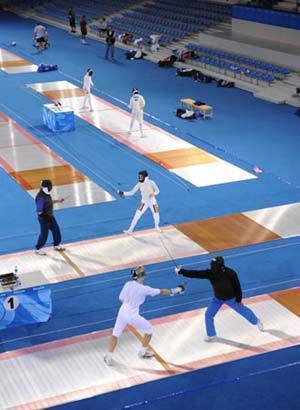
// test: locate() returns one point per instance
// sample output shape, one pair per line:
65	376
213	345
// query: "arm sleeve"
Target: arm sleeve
133	191
40	205
198	274
142	102
122	294
237	287
151	291
155	188
130	103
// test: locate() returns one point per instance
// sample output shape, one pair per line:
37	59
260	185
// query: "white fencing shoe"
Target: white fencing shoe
209	338
260	326
40	252
146	354
59	248
108	360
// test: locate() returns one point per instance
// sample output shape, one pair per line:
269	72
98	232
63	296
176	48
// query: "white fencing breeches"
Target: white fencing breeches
141	210
87	100
136	116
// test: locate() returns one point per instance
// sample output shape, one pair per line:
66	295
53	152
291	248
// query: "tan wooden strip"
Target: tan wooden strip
289	298
14	63
226	232
72	264
184	157
163	363
60	175
68	93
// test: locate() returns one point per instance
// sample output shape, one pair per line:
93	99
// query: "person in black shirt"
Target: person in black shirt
72	20
110	43
227	289
44	208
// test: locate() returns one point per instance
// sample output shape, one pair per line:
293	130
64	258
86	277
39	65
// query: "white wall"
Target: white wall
266	31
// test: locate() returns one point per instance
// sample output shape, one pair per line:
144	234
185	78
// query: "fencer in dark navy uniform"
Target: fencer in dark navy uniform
227	289
44	208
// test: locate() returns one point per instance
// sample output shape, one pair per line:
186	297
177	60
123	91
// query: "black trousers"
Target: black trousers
47	224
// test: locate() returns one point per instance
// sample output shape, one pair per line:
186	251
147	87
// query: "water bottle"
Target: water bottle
16	271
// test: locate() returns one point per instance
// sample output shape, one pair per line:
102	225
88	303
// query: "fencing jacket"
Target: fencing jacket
225	282
137	103
147	188
87	83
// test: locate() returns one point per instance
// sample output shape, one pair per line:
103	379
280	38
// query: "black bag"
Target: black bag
202	78
167	62
185	72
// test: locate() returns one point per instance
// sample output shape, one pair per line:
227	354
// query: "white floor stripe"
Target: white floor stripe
283	220
219	172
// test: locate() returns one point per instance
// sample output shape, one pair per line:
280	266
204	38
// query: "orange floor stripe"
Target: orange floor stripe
289	298
160	360
72	264
14	63
226	232
181	157
60	175
68	93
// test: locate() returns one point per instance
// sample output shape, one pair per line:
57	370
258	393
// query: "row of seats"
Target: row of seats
140	30
166	18
229	68
184	11
171	19
194	6
271	17
91	9
191	28
176	17
240	59
121	22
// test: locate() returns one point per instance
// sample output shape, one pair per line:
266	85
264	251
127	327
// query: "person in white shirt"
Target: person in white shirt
149	191
136	104
132	297
154	38
40	36
87	85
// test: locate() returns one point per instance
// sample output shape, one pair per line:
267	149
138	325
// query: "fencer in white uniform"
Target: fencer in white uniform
136	104
87	85
132	296
149	191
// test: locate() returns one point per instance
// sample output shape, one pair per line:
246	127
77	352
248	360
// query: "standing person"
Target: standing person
132	296
227	289
44	208
87	85
83	29
72	20
110	43
102	27
39	36
149	191
136	104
